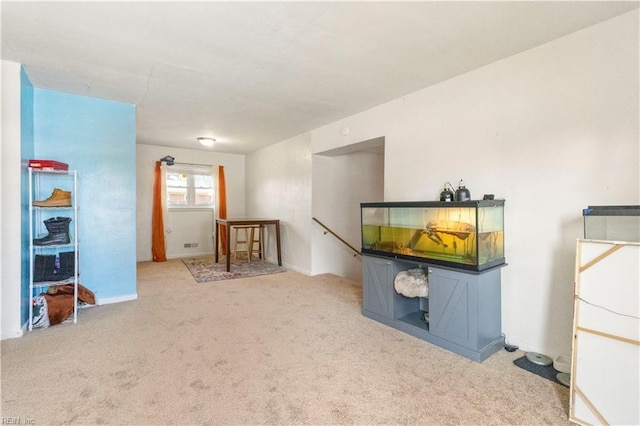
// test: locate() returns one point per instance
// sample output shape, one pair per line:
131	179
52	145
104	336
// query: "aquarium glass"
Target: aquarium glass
612	223
467	234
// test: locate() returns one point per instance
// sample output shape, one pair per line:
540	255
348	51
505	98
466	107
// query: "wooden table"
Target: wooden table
243	222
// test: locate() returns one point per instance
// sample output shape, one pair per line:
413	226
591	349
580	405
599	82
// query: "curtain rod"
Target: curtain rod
171	161
193	164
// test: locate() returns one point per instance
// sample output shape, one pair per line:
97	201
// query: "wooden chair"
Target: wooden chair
257	237
243	240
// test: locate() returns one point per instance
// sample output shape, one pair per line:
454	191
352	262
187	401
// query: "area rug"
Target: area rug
205	269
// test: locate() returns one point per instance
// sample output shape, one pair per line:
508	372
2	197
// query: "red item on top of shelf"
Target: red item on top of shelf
49	165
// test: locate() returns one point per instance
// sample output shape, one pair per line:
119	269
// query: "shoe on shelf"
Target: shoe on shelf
58	198
58	228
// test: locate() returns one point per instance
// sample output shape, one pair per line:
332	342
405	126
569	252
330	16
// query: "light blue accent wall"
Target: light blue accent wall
26	152
97	138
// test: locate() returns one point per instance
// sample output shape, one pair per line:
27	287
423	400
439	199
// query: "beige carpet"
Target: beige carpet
273	349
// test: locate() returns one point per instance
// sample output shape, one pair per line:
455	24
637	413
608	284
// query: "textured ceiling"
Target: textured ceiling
251	74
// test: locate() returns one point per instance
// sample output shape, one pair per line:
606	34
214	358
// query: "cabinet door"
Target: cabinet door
452	305
378	280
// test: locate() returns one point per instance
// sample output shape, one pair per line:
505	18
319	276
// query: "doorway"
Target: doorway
342	179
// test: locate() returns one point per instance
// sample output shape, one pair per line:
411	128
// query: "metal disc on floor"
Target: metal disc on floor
539	359
564	378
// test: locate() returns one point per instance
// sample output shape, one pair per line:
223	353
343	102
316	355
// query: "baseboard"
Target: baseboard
295	268
186	255
117	299
13	334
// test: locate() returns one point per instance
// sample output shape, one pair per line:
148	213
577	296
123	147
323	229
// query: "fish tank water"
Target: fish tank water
612	223
466	234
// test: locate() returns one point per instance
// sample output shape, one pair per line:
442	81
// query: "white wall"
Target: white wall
551	130
10	203
340	184
278	185
184	227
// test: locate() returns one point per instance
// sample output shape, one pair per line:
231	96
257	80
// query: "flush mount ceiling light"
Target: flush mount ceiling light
206	141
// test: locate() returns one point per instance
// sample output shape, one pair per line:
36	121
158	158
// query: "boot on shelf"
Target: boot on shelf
44	267
58	198
67	265
58	228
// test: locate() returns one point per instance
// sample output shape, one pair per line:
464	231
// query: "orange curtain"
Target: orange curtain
222	208
158	253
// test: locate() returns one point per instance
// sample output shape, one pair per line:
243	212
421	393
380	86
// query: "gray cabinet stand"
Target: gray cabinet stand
462	312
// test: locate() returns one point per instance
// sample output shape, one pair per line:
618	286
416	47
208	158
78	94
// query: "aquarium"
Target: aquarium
612	223
466	234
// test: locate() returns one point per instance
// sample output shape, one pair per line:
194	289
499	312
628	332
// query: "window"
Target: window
189	187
